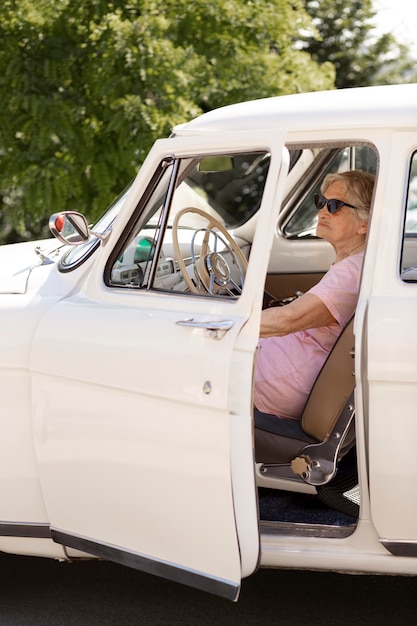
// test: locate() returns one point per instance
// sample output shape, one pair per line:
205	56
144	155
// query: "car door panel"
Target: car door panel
133	427
101	428
389	360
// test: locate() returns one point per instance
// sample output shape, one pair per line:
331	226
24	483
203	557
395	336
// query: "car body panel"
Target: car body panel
391	348
140	441
370	108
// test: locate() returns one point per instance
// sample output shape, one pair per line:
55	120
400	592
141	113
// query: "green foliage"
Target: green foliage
88	86
346	39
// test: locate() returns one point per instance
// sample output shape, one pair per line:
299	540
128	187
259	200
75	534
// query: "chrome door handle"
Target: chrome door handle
213	329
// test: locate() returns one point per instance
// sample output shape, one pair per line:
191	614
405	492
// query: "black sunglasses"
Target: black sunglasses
333	205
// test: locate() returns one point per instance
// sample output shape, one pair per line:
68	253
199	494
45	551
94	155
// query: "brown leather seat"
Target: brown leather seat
311	447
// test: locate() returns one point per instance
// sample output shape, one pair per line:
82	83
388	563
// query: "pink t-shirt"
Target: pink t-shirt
288	366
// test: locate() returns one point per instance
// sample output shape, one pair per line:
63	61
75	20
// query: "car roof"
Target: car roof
371	107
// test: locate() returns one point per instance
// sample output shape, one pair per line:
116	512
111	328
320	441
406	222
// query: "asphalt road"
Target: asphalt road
38	592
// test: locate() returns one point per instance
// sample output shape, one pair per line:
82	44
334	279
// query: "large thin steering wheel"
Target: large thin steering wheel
211	270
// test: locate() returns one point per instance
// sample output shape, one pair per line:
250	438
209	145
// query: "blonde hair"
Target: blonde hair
359	188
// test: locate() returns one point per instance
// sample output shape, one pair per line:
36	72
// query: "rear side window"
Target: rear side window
408	268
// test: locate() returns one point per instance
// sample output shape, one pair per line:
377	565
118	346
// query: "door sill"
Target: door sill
297	529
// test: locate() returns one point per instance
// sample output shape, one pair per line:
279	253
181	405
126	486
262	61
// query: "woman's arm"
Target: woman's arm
305	312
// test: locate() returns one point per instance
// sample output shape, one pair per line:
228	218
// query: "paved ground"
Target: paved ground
38	592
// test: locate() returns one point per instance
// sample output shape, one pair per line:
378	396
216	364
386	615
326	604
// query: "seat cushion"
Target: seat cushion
278	439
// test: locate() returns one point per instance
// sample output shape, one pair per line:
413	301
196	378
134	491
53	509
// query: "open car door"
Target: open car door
142	386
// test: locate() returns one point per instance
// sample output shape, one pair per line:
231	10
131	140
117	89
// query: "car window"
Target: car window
180	239
408	266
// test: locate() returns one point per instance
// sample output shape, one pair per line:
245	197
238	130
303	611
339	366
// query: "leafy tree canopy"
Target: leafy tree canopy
347	38
88	86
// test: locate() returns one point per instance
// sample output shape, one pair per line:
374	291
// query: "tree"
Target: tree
88	86
347	39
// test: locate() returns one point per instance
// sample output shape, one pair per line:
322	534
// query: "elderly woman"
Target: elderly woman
296	338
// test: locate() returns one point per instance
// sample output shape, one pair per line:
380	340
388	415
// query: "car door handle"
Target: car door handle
213	329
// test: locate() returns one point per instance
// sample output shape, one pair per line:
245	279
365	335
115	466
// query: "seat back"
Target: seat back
332	389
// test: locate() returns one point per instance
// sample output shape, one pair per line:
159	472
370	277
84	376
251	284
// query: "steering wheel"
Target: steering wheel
211	270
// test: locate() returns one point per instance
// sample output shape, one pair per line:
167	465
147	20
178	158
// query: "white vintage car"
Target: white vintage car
129	347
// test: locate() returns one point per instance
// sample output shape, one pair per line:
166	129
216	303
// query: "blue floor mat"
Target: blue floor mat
286	506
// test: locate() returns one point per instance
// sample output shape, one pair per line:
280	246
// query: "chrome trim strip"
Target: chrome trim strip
400	547
218	586
22	529
299	529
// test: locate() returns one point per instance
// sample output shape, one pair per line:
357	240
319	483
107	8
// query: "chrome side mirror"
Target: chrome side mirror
71	227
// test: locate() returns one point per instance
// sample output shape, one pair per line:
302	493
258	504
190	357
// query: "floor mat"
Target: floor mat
286	506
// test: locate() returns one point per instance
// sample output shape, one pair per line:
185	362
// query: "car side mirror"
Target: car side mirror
72	228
